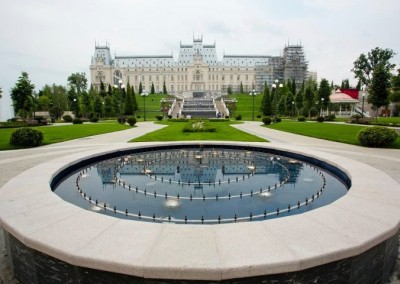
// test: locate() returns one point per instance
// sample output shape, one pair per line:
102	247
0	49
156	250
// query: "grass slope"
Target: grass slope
174	133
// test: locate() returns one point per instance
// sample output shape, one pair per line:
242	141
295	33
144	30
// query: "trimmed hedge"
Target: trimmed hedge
266	120
27	137
77	121
159	117
320	119
67	118
301	118
131	120
377	136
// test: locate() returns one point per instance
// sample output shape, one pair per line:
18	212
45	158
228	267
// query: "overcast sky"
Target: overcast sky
52	39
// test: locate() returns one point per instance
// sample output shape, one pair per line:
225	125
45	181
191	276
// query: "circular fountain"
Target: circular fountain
207	185
48	236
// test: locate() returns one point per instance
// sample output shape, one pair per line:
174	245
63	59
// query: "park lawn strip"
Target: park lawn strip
333	132
56	134
174	132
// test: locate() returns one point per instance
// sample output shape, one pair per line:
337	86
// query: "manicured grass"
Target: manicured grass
389	119
174	132
333	132
244	106
153	106
55	134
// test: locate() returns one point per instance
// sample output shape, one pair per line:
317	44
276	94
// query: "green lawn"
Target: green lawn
55	134
173	132
153	106
333	132
245	106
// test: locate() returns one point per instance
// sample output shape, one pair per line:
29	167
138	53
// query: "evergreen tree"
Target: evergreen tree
358	87
241	87
152	91
324	91
309	94
141	88
165	89
109	91
129	110
266	106
135	105
21	94
98	106
103	92
293	87
229	90
108	106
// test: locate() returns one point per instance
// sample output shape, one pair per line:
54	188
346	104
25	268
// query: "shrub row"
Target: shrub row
377	136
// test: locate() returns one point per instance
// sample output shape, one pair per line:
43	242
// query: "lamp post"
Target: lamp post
293	108
274	89
144	94
253	93
75	107
322	105
120	86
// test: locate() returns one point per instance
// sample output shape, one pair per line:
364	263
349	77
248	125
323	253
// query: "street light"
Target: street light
293	108
75	107
322	105
254	94
274	89
120	86
144	94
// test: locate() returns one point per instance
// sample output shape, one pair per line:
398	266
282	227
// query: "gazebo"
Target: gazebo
343	104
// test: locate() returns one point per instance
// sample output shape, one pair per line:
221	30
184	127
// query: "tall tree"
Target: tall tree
324	91
1	93
21	94
135	105
141	88
379	87
103	92
164	89
309	94
98	106
266	106
152	91
129	101
241	87
366	65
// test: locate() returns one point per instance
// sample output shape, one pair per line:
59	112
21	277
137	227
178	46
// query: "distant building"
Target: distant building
312	75
198	69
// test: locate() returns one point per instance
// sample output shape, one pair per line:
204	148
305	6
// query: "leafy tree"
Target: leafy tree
358	87
152	91
87	102
309	94
79	81
21	94
366	65
72	95
43	103
266	106
379	87
324	91
345	84
56	112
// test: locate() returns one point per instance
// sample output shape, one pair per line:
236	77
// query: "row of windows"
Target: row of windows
183	78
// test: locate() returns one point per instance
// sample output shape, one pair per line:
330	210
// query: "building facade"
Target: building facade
197	69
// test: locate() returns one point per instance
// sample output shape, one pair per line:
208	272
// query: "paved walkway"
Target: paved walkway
16	161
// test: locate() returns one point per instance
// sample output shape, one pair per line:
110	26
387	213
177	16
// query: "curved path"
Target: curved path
16	161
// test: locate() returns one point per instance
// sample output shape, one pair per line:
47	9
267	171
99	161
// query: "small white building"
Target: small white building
343	105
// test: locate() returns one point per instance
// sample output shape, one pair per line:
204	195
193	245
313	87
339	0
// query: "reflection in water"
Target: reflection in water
201	186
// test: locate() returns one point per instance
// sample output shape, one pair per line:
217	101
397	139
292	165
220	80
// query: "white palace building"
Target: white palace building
198	69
